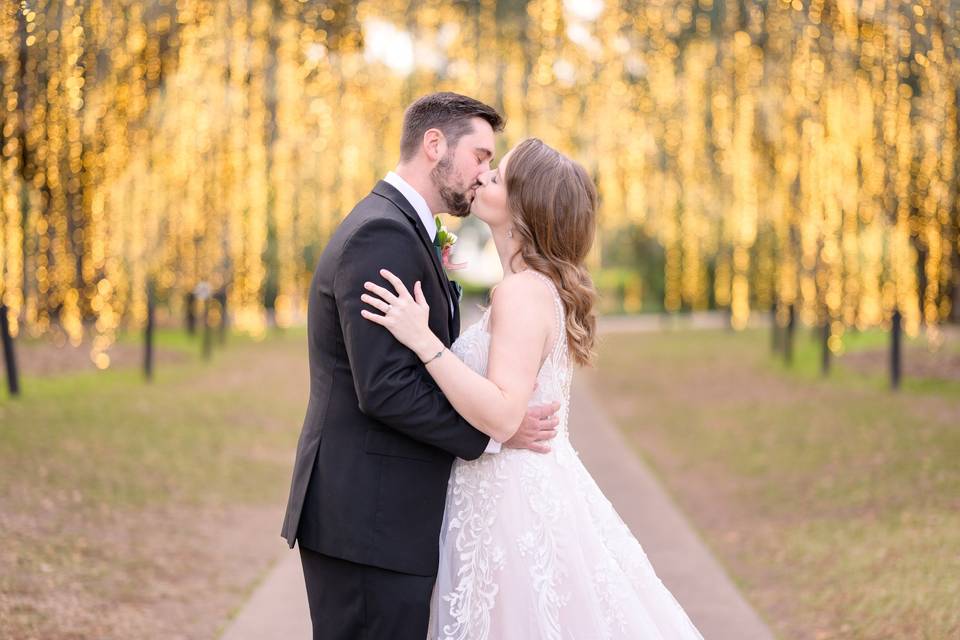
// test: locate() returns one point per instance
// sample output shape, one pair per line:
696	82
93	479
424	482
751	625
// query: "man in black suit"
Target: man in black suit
379	438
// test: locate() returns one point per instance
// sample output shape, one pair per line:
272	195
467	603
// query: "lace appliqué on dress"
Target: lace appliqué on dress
472	496
530	547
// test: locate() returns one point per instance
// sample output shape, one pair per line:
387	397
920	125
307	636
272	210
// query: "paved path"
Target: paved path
278	608
646	322
677	554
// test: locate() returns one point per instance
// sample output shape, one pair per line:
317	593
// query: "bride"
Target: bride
530	548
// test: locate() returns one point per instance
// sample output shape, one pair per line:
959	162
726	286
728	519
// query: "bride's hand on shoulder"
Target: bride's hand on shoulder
405	316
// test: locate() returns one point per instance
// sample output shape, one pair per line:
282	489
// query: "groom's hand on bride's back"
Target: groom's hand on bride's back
539	426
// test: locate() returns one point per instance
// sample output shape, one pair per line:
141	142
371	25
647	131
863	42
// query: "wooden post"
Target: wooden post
222	300
775	342
191	314
207	333
895	349
825	353
788	337
10	360
148	335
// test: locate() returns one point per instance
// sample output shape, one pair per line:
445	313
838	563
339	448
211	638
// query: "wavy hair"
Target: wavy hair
553	202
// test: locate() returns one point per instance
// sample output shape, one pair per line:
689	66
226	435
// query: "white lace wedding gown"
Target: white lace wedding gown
530	547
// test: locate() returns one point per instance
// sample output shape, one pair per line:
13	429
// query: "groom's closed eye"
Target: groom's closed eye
483	155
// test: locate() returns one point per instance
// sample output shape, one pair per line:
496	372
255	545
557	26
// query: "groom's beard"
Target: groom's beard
456	202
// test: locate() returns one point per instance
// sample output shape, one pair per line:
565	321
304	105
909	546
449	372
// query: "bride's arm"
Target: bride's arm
519	331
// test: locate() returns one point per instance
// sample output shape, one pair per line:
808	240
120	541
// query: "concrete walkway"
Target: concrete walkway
278	608
677	554
651	322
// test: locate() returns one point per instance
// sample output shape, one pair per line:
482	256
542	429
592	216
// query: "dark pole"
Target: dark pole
207	334
13	381
788	338
774	327
148	336
825	355
191	316
895	352
222	300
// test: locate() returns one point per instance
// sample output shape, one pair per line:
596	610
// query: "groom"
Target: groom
379	438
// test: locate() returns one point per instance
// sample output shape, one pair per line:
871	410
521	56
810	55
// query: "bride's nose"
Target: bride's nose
485	177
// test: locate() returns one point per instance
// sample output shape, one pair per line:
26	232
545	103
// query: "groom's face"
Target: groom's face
456	175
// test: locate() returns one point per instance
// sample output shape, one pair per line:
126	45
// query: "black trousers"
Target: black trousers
350	601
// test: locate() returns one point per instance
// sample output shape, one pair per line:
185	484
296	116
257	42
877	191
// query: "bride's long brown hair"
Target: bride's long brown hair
554	202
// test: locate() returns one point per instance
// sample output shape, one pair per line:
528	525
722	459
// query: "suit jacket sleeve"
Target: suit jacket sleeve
392	385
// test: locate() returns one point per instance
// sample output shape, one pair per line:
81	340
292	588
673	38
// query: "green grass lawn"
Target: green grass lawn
808	354
835	504
147	510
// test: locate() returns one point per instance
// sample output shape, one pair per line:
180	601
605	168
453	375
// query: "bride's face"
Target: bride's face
490	202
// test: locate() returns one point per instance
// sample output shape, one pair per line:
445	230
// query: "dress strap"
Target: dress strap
560	339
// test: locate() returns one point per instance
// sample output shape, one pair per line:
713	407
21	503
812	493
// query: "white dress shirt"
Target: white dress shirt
426	217
419	205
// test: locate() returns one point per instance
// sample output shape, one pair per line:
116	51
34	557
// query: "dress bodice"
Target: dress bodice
556	371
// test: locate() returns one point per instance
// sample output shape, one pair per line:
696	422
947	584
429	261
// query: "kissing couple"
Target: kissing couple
435	491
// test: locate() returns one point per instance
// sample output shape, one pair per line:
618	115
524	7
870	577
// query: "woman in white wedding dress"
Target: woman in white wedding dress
530	548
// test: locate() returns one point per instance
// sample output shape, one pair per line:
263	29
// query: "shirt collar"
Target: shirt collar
415	199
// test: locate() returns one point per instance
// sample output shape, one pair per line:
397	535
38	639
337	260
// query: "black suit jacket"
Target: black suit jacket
379	438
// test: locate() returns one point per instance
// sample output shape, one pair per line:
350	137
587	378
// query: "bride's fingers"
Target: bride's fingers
376	303
372	317
380	291
396	282
418	294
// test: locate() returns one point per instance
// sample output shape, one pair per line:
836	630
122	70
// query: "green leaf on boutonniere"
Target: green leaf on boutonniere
445	239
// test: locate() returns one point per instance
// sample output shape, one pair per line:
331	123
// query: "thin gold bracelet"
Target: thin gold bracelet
439	353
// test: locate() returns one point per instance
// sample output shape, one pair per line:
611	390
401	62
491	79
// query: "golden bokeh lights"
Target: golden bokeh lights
801	151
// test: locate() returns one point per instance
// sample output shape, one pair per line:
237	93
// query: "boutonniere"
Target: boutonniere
444	242
445	239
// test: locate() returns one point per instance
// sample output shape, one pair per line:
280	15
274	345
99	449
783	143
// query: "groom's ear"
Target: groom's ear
434	144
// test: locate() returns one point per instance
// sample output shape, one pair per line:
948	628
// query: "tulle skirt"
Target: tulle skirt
531	549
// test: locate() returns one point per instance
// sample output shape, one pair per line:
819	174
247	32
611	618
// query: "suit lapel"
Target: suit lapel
389	192
455	325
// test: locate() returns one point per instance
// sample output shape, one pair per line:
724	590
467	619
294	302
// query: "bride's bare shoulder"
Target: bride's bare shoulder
522	295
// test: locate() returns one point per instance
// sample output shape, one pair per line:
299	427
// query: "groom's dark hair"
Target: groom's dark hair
449	112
